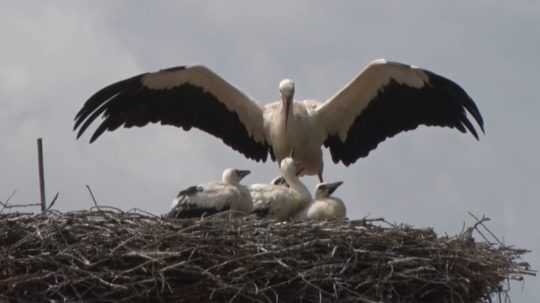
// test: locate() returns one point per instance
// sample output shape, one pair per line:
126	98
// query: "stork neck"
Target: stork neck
286	112
297	185
319	195
287	106
228	179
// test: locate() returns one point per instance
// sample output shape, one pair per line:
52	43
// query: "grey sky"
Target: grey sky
54	56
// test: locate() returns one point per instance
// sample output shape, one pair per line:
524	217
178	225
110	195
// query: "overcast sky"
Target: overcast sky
54	56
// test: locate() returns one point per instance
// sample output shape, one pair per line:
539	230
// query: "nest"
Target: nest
107	255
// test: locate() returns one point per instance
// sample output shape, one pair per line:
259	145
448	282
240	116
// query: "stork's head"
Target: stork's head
324	190
286	89
290	168
234	176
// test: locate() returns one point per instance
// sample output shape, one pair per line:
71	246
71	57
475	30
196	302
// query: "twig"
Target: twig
10	206
41	175
92	196
138	210
481	222
6	203
10	196
53	201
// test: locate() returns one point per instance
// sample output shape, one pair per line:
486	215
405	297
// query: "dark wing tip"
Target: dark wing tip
463	99
97	103
107	124
470	128
474	111
93	138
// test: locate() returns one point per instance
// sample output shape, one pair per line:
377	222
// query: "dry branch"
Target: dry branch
106	255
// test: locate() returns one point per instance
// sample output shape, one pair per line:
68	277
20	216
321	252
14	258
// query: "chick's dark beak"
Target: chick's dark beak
333	186
243	173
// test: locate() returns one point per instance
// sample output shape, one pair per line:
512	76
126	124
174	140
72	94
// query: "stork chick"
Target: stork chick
214	197
325	206
279	201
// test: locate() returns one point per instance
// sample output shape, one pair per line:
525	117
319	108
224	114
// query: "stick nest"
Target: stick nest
107	255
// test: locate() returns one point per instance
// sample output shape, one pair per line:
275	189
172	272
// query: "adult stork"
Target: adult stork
325	206
214	197
384	99
282	201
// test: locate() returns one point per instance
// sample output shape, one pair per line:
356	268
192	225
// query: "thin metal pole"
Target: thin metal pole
41	175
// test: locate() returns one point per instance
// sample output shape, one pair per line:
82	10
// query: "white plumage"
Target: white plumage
325	206
214	197
259	190
281	202
385	99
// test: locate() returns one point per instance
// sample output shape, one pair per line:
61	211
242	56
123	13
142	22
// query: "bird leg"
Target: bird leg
320	177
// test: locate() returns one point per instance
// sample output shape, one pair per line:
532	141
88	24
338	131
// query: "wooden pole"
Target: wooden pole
41	175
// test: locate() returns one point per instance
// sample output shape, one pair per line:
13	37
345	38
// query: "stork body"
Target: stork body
214	197
295	130
385	99
259	190
325	206
282	202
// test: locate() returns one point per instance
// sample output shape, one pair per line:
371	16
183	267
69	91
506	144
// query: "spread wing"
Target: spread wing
387	98
184	97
